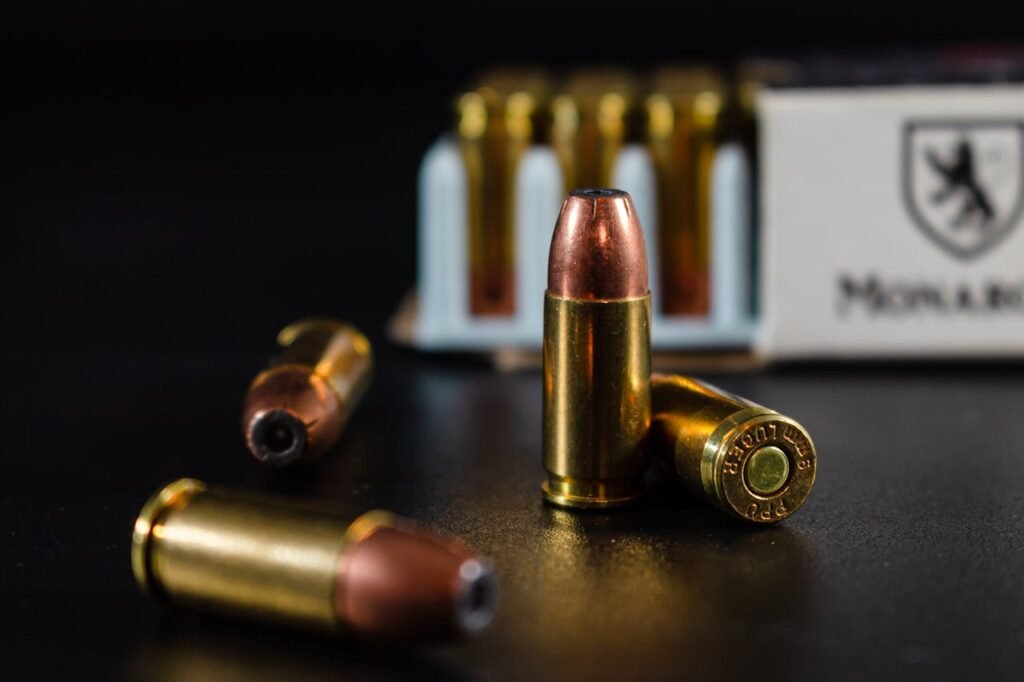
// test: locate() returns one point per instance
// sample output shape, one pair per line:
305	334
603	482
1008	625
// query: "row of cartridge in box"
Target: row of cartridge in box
681	141
682	116
696	148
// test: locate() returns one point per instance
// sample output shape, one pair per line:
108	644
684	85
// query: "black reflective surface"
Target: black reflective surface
906	561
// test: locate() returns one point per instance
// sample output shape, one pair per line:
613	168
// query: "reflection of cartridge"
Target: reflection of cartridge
597	353
497	122
590	122
683	116
297	408
749	461
371	574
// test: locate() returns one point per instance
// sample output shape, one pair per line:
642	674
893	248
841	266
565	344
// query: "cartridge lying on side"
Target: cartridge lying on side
297	408
597	353
749	461
371	574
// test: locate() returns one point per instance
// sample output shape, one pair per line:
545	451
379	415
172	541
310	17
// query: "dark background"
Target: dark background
184	179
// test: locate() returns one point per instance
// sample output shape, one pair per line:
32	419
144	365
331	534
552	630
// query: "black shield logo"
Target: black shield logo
963	181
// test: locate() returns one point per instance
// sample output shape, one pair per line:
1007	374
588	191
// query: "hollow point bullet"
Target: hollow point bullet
597	353
297	408
749	461
370	574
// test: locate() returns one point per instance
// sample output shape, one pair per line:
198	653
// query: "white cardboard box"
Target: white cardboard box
891	222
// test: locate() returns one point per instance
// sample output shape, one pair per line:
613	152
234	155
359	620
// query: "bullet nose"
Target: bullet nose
277	437
597	250
399	581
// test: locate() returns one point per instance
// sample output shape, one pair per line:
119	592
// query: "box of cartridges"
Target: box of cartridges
892	221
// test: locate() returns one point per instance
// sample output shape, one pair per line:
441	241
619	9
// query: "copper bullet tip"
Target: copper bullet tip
402	581
291	413
597	250
277	437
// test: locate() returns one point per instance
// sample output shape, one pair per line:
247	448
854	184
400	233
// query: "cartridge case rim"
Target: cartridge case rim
568	493
171	495
734	442
288	334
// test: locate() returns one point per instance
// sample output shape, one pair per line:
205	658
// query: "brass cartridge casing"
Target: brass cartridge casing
749	461
497	122
597	354
683	128
371	574
297	408
591	121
